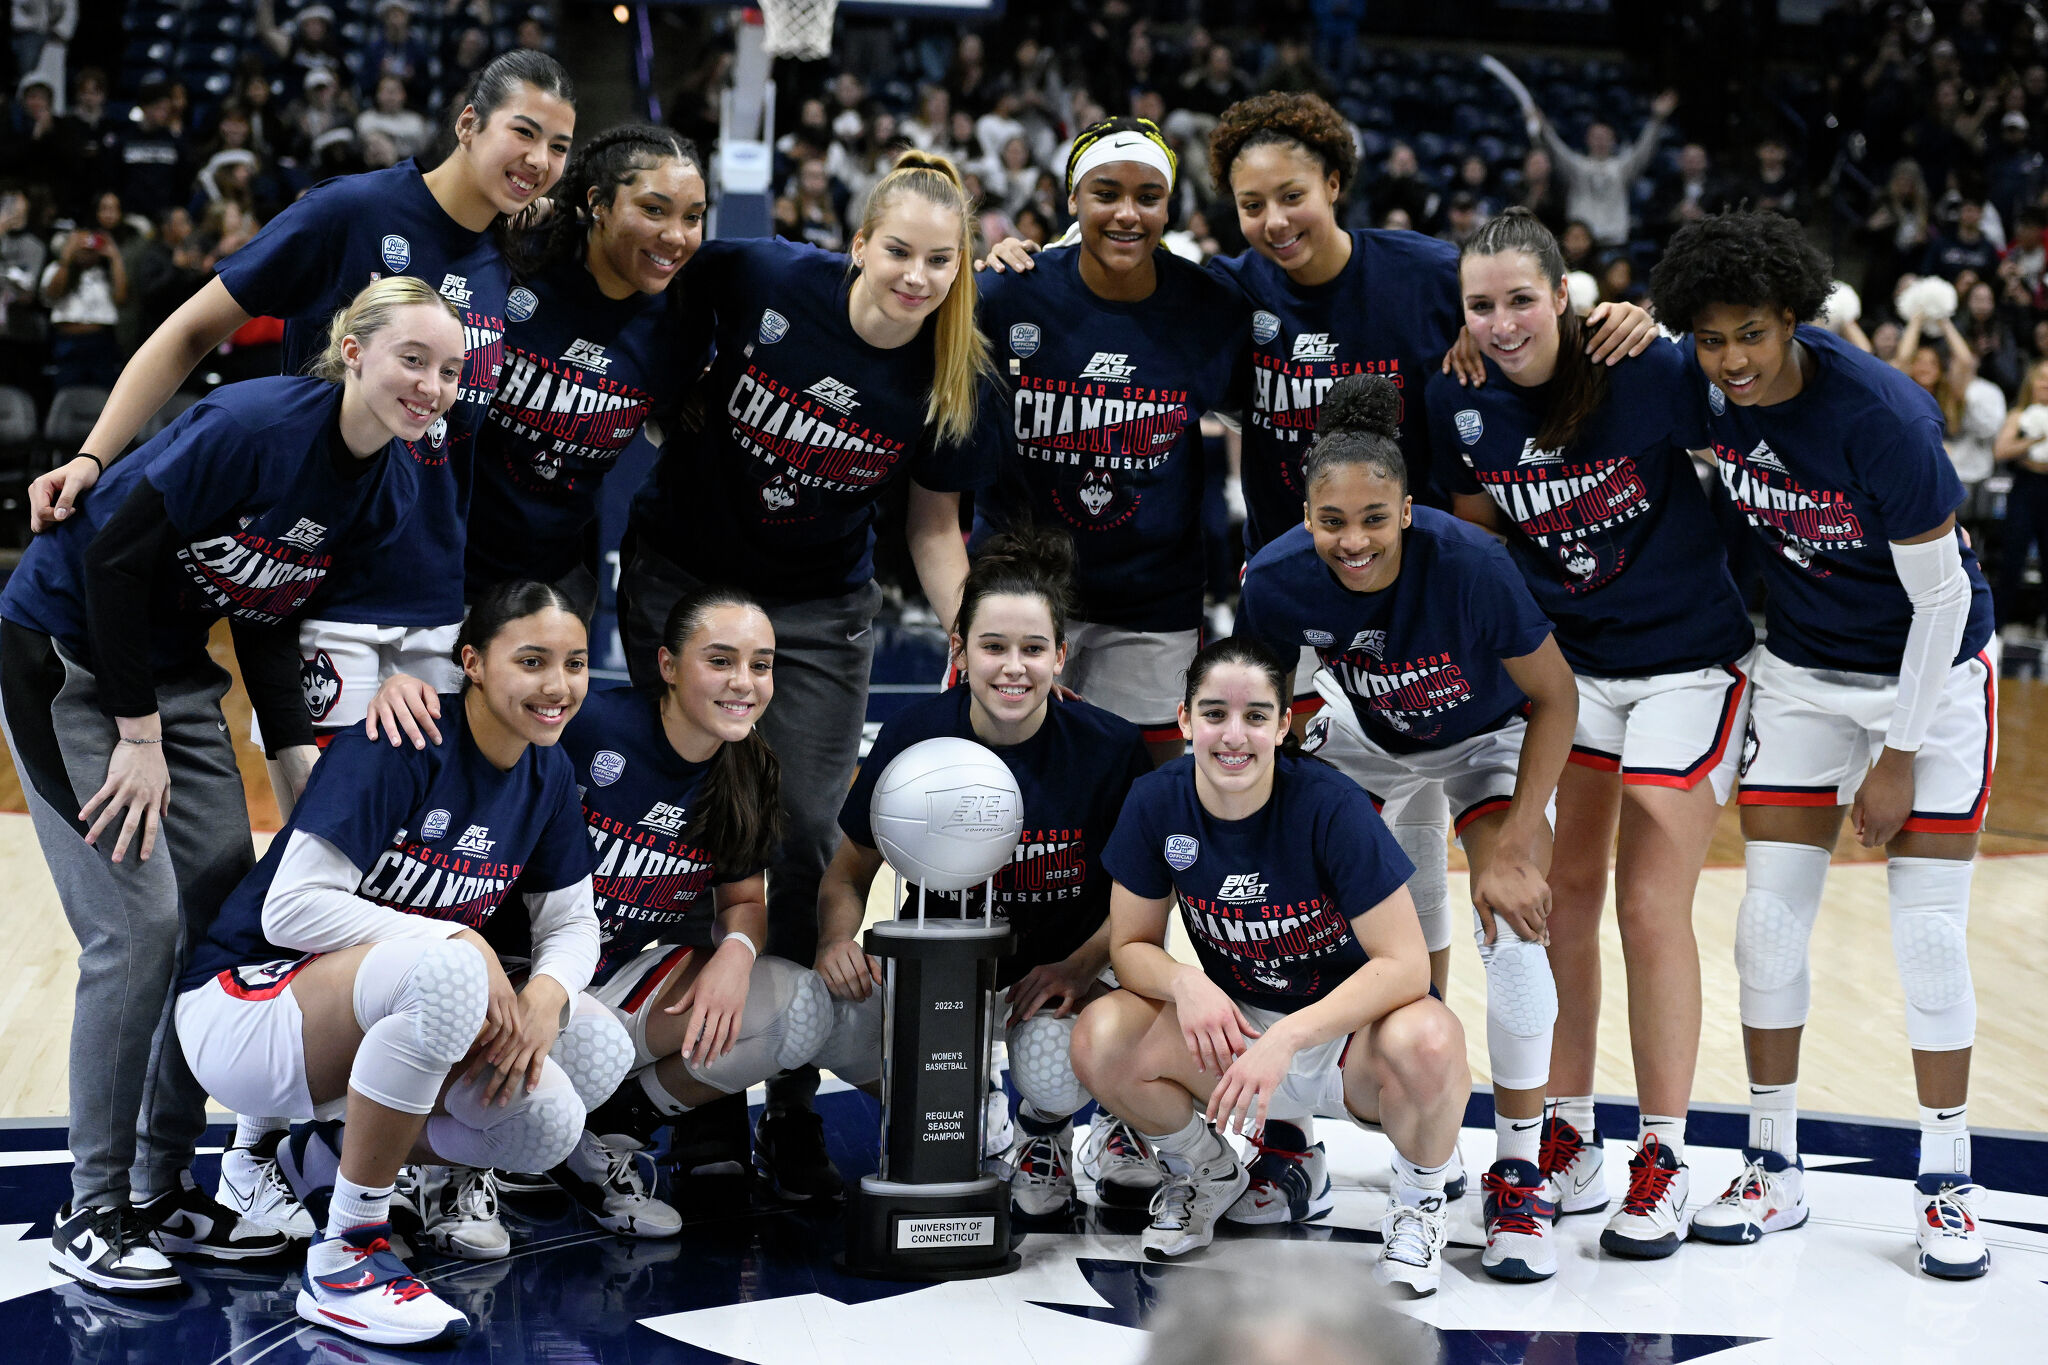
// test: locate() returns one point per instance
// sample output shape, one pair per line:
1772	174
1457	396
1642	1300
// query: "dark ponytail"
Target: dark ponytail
738	821
492	87
1029	561
1579	385
501	605
1357	424
597	171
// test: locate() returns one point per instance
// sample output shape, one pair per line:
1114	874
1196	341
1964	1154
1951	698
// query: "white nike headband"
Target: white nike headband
1124	146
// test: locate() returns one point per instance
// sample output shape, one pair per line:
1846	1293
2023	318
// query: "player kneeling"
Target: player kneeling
1313	986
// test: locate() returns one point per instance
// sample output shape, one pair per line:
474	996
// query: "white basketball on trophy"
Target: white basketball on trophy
946	814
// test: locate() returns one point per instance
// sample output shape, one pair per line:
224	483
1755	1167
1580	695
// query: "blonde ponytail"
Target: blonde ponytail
960	352
369	313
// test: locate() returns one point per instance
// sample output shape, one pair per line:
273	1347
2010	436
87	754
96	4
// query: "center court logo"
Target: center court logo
834	394
1314	346
1114	366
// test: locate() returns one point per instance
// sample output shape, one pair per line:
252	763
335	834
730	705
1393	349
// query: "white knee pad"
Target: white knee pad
594	1050
1521	1008
534	1133
787	1017
1042	1065
1773	928
421	1004
1426	842
853	1048
1930	901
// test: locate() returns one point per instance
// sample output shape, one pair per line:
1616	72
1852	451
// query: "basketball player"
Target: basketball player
1432	652
239	509
1074	764
1585	471
1312	993
349	974
1113	349
1874	694
829	388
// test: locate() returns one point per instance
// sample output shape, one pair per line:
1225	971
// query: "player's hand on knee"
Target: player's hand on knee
1616	331
405	707
1211	1024
1514	891
1012	253
849	973
54	496
1885	800
1249	1083
538	1008
1463	360
501	1013
137	792
1063	980
714	1006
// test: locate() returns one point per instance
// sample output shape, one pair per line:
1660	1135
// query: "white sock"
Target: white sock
249	1132
1193	1146
1774	1119
1577	1110
1516	1139
1670	1132
651	1086
1415	1184
1945	1140
355	1206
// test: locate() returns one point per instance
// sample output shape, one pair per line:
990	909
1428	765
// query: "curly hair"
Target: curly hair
1748	257
1280	119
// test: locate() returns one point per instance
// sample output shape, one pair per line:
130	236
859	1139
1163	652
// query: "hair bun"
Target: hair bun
1042	551
1367	403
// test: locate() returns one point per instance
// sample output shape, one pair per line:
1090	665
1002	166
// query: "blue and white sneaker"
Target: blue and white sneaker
356	1285
1767	1195
1951	1245
1650	1224
310	1159
1290	1180
1519	1248
1574	1168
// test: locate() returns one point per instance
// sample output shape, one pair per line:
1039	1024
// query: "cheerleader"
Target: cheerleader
1875	695
831	385
1586	472
239	509
1312	993
348	976
1113	350
1074	764
1432	653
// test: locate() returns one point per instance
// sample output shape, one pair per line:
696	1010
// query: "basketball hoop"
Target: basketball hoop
798	28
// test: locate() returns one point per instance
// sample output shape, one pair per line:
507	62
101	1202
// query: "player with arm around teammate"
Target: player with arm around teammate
349	975
1875	694
239	509
1585	471
1313	984
1073	763
1432	652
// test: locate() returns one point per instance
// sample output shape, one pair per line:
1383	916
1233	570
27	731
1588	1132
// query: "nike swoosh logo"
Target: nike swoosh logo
342	1286
855	635
1944	1118
1523	1127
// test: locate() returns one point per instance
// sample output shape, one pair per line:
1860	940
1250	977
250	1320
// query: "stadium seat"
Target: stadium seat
72	412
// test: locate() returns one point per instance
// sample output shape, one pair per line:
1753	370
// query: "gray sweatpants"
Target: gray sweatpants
136	1111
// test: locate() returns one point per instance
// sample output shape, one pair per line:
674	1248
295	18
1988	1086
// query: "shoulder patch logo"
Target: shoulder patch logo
397	252
1470	425
434	826
1265	326
1181	852
605	766
520	304
1318	639
1716	399
774	327
1024	339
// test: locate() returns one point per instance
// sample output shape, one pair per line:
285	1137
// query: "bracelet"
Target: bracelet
157	740
87	454
732	934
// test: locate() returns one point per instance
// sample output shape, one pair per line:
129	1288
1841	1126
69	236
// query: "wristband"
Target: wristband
732	934
88	455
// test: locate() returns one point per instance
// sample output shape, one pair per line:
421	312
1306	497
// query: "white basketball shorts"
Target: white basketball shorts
1476	775
1137	674
1671	730
343	663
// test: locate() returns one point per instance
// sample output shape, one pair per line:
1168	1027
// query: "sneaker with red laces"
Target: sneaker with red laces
1518	1218
1574	1168
1290	1179
1650	1224
356	1285
1767	1195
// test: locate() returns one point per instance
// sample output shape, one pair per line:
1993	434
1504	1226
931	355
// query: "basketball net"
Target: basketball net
798	28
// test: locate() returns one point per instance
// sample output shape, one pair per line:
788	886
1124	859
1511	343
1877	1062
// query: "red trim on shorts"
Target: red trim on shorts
1486	807
1973	823
1596	759
1305	706
1157	733
1687	778
653	981
1789	796
232	984
323	738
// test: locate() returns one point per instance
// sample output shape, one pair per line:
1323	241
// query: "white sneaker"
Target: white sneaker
1042	1173
1768	1195
1518	1218
1290	1180
1117	1159
607	1182
1185	1208
459	1213
252	1185
999	1132
355	1284
1951	1245
1412	1250
1574	1168
1650	1223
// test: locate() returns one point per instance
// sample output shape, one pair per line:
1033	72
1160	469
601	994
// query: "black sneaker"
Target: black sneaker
108	1248
188	1221
710	1140
789	1153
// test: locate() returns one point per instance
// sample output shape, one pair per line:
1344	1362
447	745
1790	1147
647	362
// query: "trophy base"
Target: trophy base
928	1232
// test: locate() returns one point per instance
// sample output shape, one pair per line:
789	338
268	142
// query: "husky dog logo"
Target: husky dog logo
1798	555
1265	326
1471	426
1579	561
434	826
1748	749
1181	852
1396	721
1318	734
1271	980
1096	493
605	767
520	304
320	680
397	252
777	495
774	327
437	434
1024	338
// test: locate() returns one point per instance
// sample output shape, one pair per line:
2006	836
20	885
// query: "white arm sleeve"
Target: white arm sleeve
1932	574
566	943
312	905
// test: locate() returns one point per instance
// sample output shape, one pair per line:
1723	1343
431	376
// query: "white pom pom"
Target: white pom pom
1584	291
1929	298
1843	307
2034	422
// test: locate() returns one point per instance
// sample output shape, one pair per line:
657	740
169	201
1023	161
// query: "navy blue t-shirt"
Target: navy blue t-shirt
805	428
440	831
308	263
262	517
1073	774
1393	310
1102	436
583	373
1267	900
1614	536
1421	658
639	798
1827	479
